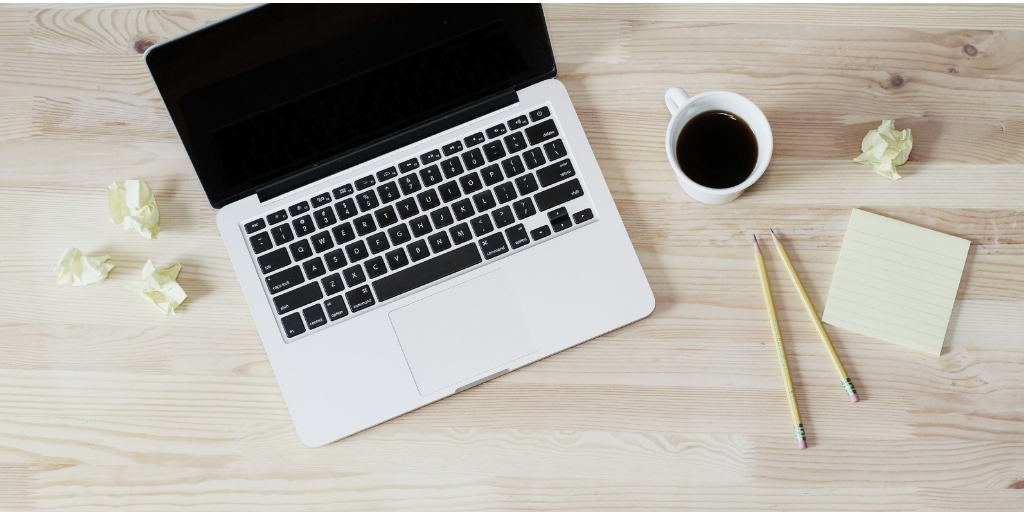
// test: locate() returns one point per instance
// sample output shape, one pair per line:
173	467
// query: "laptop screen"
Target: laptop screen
277	89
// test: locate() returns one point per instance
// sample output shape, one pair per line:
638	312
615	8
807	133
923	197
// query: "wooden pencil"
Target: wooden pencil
798	425
847	382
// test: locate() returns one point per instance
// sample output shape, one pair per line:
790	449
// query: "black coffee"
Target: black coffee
717	149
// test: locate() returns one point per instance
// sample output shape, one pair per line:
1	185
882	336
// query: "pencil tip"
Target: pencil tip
775	238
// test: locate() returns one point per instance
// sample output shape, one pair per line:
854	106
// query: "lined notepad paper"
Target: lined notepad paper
896	281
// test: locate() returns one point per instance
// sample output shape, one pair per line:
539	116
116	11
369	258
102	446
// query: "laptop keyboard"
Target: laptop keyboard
345	250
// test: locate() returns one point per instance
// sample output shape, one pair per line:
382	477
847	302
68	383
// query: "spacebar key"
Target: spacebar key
427	272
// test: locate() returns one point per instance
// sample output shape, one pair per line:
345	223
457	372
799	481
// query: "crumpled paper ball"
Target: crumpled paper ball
77	269
133	206
885	148
159	286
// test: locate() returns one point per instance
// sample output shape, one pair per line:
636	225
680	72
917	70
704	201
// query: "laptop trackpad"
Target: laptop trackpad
464	333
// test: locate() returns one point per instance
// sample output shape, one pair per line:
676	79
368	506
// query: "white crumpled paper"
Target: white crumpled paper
77	269
159	286
884	148
132	206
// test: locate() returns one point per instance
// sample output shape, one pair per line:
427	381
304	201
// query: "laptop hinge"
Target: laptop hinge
390	143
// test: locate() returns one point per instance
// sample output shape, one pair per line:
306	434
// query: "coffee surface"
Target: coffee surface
717	149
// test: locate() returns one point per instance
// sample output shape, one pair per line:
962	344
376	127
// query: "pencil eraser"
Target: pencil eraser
854	398
803	444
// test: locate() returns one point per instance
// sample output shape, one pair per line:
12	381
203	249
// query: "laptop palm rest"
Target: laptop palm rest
462	334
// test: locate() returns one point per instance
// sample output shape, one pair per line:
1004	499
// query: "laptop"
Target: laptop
406	195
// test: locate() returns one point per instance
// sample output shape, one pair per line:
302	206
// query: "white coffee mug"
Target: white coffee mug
683	108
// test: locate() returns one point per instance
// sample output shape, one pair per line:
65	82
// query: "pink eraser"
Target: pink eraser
854	398
803	444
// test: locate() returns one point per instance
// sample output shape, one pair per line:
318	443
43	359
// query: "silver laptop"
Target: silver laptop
407	197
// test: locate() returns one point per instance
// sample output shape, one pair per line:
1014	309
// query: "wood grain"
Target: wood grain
105	405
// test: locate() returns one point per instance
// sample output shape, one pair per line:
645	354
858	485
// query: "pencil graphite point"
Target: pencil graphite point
756	247
774	238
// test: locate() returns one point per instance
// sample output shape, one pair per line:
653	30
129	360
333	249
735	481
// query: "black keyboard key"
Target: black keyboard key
491	174
388	192
484	201
396	259
473	158
442	217
556	172
517	236
324	217
558	213
515	142
494	150
539	114
300	250
452	167
303	225
582	216
541	132
298	208
322	241
418	250
295	299
431	270
505	192
439	241
409	183
493	245
365	225
342	191
518	122
540	232
495	131
273	260
431	176
366	200
284	279
524	208
430	156
419	226
513	166
561	224
555	149
407	208
332	284
335	308
278	216
449	191
321	199
314	268
428	199
293	325
386	174
378	242
346	209
375	267
474	139
335	259
356	251
386	216
354	275
343	233
282	234
360	298
365	182
481	225
254	226
399	234
534	158
558	194
261	242
409	165
503	217
471	183
450	149
314	316
463	209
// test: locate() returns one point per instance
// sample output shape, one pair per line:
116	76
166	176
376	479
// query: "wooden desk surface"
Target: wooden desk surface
105	404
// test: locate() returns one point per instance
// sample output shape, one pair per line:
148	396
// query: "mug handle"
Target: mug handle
675	98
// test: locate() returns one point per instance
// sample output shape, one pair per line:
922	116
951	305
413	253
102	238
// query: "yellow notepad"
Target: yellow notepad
896	281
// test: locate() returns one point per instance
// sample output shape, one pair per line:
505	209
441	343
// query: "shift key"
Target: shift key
298	297
558	194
